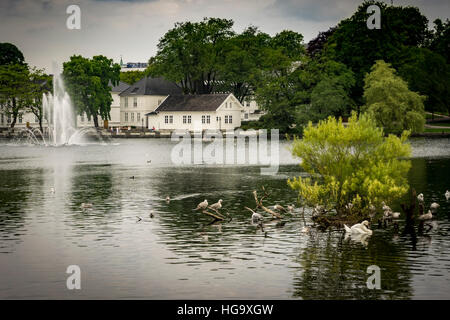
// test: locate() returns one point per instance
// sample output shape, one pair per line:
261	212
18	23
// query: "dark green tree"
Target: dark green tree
87	83
131	77
10	54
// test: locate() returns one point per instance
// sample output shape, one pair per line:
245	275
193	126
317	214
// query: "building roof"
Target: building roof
152	86
200	102
122	86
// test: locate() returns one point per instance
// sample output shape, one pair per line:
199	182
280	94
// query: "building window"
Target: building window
208	119
126	102
126	116
166	119
184	119
9	119
20	118
135	102
189	119
138	117
132	117
170	119
230	119
245	115
226	119
203	119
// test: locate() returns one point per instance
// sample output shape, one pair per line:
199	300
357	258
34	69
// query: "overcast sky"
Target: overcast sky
132	28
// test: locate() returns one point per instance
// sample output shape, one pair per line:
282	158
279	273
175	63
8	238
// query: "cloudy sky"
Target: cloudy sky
132	28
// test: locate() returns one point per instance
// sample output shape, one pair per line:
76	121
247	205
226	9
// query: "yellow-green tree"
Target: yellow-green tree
354	164
390	102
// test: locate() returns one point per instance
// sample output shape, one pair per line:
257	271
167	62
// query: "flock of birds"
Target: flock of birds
363	227
359	228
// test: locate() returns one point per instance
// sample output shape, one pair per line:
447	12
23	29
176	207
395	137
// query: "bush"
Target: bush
354	163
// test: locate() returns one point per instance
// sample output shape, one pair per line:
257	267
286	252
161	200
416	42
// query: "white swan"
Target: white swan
217	205
202	205
420	197
426	216
447	195
359	228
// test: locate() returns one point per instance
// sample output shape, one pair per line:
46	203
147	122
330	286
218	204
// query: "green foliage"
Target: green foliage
132	77
190	54
14	86
358	47
10	54
87	83
38	85
390	102
354	163
427	73
440	39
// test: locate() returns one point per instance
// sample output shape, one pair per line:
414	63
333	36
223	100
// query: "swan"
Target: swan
256	217
202	205
217	205
167	199
426	216
420	197
359	228
434	206
447	195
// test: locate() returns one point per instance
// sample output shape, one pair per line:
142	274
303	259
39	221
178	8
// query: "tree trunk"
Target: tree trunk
95	121
14	113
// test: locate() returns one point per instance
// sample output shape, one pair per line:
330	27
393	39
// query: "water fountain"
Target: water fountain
59	121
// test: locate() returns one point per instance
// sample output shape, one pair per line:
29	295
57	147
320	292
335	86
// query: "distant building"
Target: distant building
187	112
132	66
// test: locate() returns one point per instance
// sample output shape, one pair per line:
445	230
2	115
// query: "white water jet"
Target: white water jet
59	113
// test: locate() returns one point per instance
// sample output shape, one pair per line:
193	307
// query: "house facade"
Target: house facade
195	112
142	98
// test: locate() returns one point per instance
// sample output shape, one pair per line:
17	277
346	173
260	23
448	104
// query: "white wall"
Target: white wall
145	104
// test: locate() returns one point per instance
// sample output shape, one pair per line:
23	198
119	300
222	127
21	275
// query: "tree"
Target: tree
351	164
428	74
87	83
330	91
190	54
440	39
14	85
10	54
388	99
316	45
358	47
39	84
132	77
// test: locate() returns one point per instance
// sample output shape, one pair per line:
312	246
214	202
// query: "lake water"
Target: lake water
178	254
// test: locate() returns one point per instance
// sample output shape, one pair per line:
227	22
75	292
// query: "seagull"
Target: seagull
151	214
256	217
202	205
139	218
359	228
420	197
86	205
426	216
217	205
167	199
434	206
447	195
279	208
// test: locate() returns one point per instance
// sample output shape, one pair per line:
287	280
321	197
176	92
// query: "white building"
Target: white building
144	97
192	112
251	111
114	122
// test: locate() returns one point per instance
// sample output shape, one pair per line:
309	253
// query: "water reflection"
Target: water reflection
179	253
